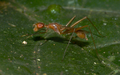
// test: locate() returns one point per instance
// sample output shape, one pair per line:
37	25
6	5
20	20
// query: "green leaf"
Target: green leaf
42	54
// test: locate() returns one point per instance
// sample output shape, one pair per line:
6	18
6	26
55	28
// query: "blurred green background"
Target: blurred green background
42	55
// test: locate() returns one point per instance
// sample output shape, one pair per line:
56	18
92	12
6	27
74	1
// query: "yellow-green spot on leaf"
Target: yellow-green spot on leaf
111	58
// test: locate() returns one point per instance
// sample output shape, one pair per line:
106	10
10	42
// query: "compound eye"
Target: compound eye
40	25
